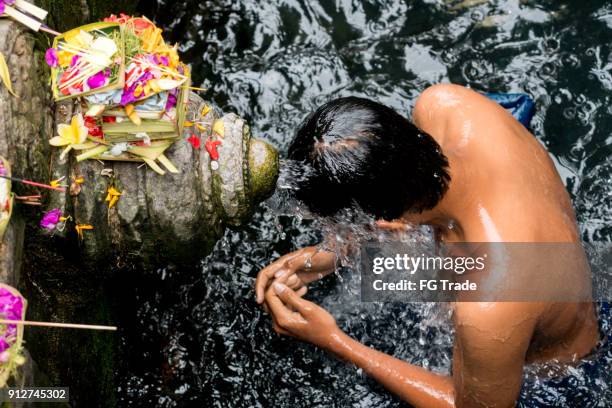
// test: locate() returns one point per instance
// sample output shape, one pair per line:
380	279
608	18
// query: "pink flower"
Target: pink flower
4	3
97	80
50	55
51	218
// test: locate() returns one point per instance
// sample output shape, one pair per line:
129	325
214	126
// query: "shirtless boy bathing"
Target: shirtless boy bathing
464	162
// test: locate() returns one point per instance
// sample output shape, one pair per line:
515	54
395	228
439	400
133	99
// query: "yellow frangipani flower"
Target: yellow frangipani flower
112	196
72	135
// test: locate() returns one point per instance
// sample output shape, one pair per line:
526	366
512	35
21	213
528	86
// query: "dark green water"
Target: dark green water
197	337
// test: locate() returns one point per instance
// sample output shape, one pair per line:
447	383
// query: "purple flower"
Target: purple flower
50	55
11	308
145	77
51	218
75	59
164	60
97	80
171	103
128	95
4	3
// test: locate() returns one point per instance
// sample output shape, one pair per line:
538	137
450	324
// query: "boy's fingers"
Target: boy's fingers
280	330
301	291
260	285
280	313
293	281
264	276
289	297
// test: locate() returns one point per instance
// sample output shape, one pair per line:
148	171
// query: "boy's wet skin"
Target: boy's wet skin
503	188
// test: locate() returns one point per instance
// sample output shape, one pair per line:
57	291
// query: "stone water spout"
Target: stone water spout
175	217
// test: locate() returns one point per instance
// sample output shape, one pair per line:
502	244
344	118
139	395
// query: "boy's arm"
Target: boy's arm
487	362
491	343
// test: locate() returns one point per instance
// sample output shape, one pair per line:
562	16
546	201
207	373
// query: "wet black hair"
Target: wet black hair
358	151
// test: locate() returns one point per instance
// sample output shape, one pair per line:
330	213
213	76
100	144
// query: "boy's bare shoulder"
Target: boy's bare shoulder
441	101
437	99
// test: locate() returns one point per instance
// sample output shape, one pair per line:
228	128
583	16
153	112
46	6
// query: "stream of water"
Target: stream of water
197	337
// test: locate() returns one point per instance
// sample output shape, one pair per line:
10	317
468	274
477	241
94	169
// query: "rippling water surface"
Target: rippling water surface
197	337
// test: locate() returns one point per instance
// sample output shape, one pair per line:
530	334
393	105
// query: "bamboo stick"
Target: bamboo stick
48	30
60	325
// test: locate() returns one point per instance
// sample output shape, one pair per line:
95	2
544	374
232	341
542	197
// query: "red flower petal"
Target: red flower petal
195	141
211	148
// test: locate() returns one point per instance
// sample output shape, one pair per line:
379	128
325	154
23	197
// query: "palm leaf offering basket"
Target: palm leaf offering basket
71	48
131	86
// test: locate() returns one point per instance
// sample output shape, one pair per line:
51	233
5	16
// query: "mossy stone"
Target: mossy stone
263	170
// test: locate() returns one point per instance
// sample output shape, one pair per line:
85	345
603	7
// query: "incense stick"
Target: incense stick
61	325
48	30
33	183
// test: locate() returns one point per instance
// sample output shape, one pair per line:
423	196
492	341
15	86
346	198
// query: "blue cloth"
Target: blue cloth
588	384
521	106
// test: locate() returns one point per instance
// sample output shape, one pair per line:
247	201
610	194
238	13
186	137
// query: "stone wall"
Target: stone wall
25	123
